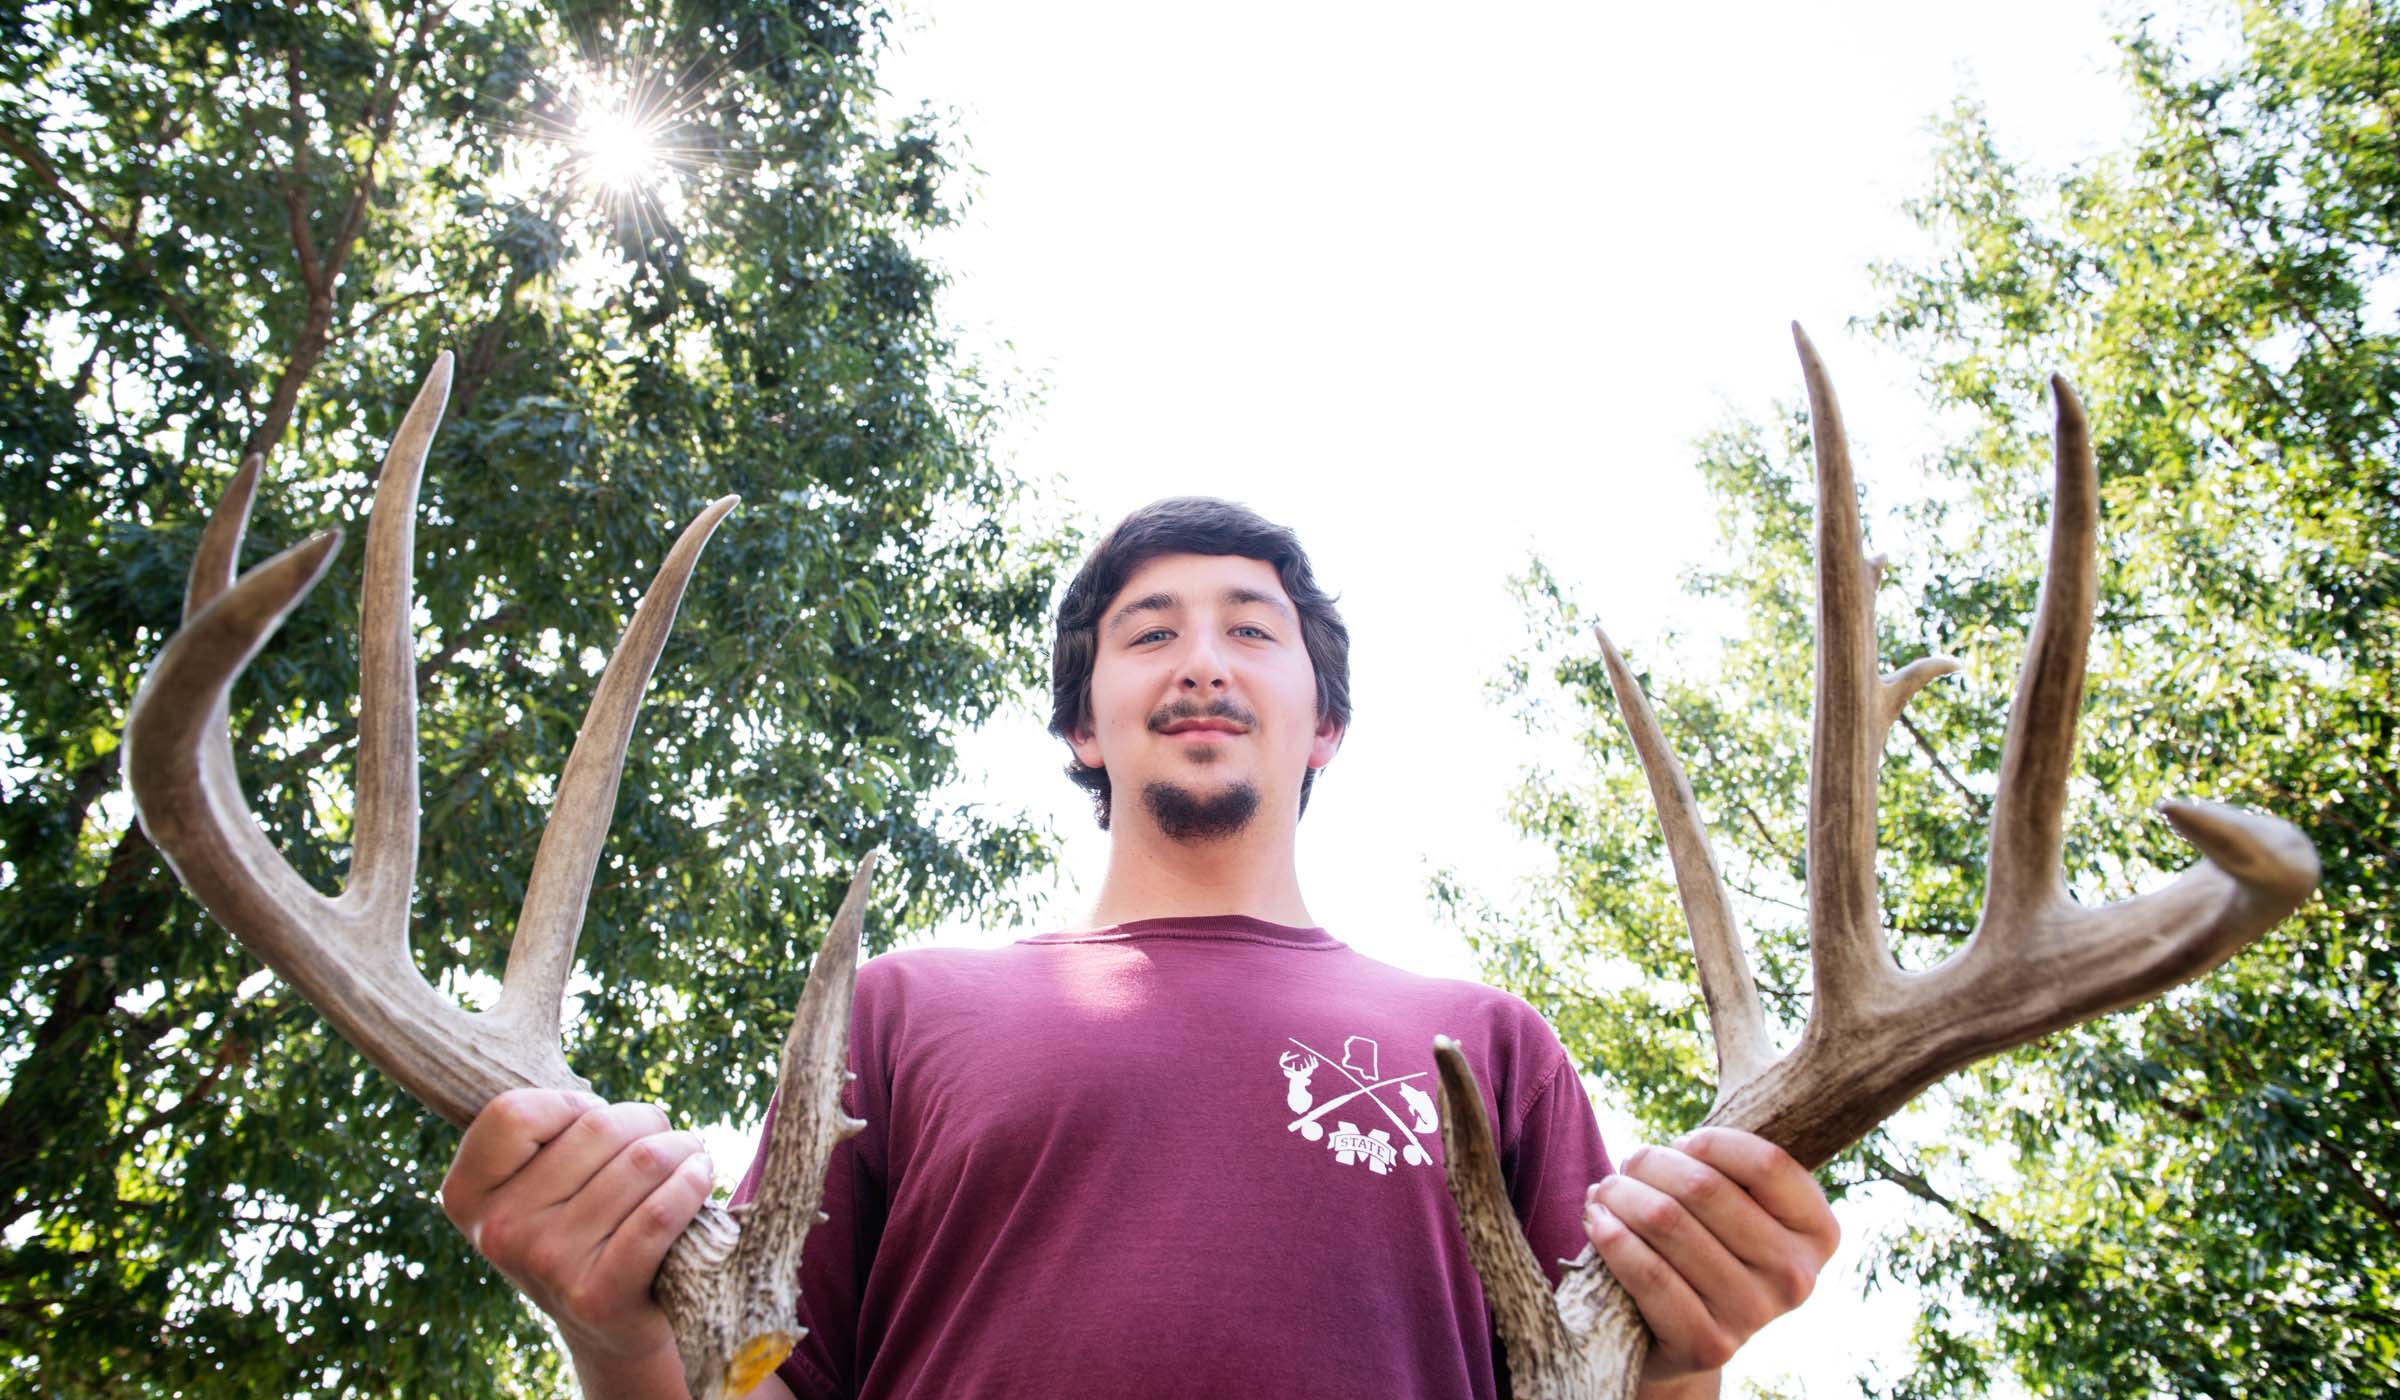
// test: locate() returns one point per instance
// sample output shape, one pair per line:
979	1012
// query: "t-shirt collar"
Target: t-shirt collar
1203	926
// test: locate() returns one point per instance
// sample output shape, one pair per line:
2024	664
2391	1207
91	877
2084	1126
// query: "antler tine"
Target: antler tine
1523	1308
383	847
1736	1020
179	755
561	883
2082	963
1902	686
214	562
2069	963
1849	959
187	790
809	1121
2027	873
1565	1345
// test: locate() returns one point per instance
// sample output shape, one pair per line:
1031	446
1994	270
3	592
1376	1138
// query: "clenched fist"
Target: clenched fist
576	1201
1714	1237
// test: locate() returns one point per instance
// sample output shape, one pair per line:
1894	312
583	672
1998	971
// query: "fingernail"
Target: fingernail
585	1102
1598	1217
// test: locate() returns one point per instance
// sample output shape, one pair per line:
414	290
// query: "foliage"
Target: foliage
231	227
2200	1197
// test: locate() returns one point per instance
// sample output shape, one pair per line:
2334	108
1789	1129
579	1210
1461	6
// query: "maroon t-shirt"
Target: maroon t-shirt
1196	1157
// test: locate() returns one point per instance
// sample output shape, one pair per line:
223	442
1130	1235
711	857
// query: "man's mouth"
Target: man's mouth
1202	722
1202	729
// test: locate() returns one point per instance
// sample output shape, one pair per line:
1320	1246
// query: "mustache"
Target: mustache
1177	711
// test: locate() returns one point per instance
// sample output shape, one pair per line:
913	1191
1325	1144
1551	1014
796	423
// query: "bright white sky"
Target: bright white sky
1443	292
1444	287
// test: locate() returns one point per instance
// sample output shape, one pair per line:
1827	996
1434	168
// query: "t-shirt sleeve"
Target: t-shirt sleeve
1552	1158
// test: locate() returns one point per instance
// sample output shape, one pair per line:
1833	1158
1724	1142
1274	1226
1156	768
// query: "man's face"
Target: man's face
1204	704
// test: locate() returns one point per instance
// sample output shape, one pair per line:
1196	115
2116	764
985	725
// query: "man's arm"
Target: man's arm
1714	1237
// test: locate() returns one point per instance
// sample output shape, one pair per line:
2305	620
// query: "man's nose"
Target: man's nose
1203	668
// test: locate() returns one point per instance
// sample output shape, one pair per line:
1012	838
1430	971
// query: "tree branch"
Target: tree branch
1780	849
295	183
2375	1201
126	240
1976	802
429	669
321	267
2243	216
1885	1169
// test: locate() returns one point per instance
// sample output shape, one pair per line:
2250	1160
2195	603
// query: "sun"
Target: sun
619	148
617	138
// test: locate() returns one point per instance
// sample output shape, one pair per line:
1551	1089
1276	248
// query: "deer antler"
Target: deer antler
1877	1034
729	1290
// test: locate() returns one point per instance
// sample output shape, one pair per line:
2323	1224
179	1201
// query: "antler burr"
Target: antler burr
729	1290
1878	1034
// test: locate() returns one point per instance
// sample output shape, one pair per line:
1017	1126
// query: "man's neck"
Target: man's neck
1152	877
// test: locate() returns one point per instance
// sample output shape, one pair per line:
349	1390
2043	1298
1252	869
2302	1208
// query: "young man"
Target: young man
1191	1147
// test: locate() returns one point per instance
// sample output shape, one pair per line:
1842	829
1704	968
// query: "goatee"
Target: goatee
1184	815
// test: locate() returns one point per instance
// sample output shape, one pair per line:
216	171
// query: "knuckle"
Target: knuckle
1767	1159
666	1211
660	1152
1707	1142
611	1126
651	1155
1641	1271
515	1110
1793	1283
552	1264
1713	1348
499	1239
1656	1217
587	1298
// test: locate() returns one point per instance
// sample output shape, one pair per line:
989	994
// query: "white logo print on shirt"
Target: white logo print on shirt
1348	1144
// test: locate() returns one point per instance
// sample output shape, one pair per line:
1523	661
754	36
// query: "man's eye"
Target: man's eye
1155	634
1249	629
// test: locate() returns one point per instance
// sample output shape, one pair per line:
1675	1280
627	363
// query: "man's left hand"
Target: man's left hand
1714	1237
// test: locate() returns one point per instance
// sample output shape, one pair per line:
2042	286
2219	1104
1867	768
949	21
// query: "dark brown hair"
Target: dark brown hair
1187	525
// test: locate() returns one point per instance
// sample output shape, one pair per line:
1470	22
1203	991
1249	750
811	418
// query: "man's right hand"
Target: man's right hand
575	1201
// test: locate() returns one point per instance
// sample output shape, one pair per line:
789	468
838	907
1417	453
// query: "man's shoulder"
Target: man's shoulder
1463	993
932	962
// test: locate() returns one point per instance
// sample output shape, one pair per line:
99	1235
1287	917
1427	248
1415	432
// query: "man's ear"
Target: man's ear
1086	747
1328	742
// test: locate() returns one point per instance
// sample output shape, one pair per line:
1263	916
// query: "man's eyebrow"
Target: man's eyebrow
1237	597
1154	602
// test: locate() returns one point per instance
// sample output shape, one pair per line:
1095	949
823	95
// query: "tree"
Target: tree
2201	1197
242	227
